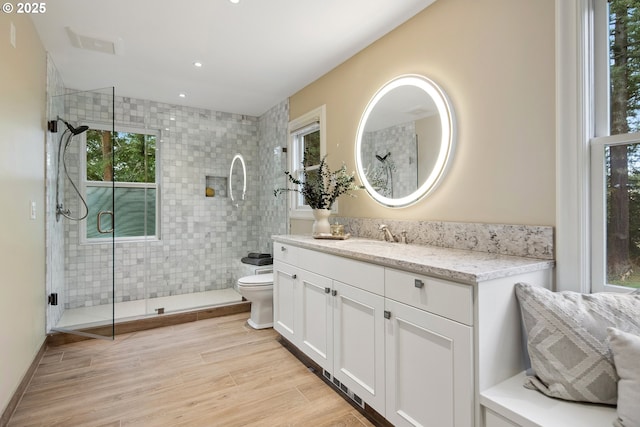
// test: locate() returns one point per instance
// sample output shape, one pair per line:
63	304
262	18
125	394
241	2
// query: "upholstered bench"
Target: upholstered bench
509	404
582	348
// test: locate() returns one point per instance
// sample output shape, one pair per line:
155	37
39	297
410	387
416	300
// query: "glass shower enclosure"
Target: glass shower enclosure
81	210
159	175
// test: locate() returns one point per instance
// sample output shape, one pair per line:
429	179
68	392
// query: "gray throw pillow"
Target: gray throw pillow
567	340
626	355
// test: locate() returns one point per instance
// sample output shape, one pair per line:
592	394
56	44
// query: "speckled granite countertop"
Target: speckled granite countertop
454	264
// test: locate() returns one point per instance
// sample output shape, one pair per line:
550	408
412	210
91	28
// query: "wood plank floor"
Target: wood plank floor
214	372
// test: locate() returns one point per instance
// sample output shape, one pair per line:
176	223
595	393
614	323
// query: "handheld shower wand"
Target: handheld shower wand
62	151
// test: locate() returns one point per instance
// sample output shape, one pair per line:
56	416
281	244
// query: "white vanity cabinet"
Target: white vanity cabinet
358	342
284	304
429	358
315	318
418	348
339	325
303	311
383	350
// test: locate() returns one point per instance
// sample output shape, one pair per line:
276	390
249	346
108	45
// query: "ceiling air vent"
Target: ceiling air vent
93	43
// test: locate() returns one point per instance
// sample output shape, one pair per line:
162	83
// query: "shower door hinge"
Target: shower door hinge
53	299
52	126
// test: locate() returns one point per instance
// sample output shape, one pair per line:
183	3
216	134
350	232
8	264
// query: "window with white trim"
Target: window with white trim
615	148
307	147
125	161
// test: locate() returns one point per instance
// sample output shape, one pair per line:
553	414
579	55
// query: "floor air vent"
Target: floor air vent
357	399
343	388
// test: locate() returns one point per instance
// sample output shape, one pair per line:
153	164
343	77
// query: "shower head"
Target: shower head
78	130
382	159
74	131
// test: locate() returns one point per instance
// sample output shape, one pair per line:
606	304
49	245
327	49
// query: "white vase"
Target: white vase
321	224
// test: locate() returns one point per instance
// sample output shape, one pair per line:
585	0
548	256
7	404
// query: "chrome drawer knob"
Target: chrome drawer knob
418	283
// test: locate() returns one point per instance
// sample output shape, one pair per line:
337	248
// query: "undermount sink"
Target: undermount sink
366	242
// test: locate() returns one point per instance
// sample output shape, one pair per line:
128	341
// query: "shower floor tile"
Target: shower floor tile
99	314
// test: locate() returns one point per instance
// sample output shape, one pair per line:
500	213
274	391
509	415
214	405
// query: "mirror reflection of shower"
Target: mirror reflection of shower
386	175
65	140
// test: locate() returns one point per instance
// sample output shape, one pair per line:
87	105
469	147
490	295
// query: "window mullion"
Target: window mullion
572	134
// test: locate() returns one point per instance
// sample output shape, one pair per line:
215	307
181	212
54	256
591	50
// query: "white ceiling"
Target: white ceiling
255	54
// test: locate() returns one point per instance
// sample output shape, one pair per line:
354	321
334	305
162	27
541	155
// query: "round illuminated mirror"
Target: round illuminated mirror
405	140
237	180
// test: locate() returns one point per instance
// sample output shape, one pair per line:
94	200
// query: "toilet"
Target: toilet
258	289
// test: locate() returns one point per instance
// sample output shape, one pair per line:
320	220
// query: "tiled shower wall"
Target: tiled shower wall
202	238
272	131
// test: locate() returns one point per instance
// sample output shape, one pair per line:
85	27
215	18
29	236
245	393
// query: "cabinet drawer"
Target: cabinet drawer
448	299
286	253
362	275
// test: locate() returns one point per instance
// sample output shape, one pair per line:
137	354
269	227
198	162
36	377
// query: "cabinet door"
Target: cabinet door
429	372
359	343
284	300
316	318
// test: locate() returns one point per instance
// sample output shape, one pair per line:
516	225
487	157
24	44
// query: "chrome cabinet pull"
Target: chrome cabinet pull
282	248
294	276
334	292
99	222
387	314
327	290
418	283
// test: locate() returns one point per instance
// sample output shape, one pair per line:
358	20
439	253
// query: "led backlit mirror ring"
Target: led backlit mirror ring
445	144
234	200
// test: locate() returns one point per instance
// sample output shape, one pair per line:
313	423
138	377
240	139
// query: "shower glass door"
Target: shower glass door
82	227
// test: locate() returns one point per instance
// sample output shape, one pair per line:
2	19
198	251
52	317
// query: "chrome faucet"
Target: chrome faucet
388	235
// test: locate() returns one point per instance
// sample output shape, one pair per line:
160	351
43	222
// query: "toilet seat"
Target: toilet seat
256	280
258	289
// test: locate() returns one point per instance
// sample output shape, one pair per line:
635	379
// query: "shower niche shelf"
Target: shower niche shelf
216	183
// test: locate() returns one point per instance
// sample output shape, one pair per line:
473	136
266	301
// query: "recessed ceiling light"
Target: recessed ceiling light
182	95
197	64
235	1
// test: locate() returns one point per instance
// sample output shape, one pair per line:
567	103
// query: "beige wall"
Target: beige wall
22	244
495	60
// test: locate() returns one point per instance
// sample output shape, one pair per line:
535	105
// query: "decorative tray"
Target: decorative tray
330	236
